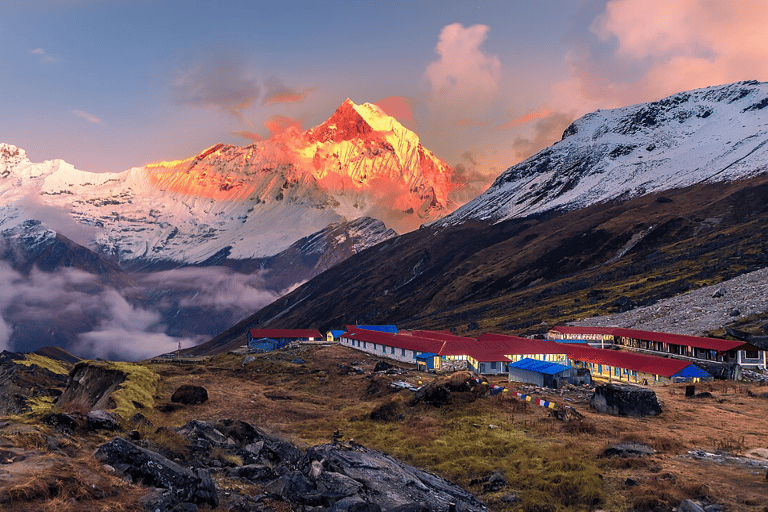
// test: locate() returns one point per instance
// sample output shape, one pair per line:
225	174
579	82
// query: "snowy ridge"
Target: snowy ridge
706	135
256	200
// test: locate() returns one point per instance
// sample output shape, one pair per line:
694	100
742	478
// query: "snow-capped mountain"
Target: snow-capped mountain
254	200
706	135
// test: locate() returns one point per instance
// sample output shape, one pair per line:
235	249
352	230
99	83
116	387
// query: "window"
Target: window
493	365
384	349
751	354
392	350
402	352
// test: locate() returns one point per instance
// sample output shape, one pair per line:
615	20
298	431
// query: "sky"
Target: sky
111	84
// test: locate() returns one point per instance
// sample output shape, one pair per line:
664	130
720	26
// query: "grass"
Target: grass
43	362
461	447
70	485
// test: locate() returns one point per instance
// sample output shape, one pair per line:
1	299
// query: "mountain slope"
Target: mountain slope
257	199
510	276
707	135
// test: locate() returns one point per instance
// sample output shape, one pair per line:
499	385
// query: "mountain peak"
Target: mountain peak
10	156
346	123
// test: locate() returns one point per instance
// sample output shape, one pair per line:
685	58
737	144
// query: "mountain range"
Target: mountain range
631	205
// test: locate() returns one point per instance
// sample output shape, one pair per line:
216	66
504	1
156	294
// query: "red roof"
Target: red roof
285	333
437	335
660	337
628	360
514	345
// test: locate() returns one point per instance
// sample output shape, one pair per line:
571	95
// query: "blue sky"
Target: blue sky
111	84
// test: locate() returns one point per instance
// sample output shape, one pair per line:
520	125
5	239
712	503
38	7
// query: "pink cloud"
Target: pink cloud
464	78
398	107
531	116
279	124
648	50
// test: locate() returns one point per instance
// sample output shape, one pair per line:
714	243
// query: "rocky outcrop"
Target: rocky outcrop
625	400
91	385
20	382
337	477
152	469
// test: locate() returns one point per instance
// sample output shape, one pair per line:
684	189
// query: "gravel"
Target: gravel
698	311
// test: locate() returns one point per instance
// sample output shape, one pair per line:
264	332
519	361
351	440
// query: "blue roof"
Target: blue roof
692	371
583	342
336	333
534	365
379	328
426	355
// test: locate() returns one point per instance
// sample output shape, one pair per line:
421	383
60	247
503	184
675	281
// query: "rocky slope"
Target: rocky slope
709	135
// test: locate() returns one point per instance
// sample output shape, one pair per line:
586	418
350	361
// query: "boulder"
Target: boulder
625	400
188	395
385	482
152	469
102	420
689	506
628	450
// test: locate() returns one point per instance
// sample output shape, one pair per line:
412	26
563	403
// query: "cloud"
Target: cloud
531	116
279	124
252	136
398	107
547	130
223	80
45	58
278	92
464	77
641	51
88	117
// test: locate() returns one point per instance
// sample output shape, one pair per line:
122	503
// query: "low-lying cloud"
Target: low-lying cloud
76	310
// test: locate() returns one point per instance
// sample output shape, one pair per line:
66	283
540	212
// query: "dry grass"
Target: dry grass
80	484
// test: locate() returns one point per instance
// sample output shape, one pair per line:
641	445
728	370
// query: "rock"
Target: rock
102	420
90	385
66	423
248	360
628	450
152	469
382	366
734	312
188	395
389	483
253	472
625	400
202	436
689	506
495	483
704	394
295	487
333	486
629	482
718	293
160	500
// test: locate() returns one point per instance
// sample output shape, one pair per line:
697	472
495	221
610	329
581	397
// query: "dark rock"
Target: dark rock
134	435
188	395
150	468
299	360
628	450
160	500
386	412
294	486
689	506
414	507
253	472
202	436
382	366
719	293
333	486
690	390
9	457
625	400
629	482
704	394
64	422
495	483
90	385
102	420
389	483
734	312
